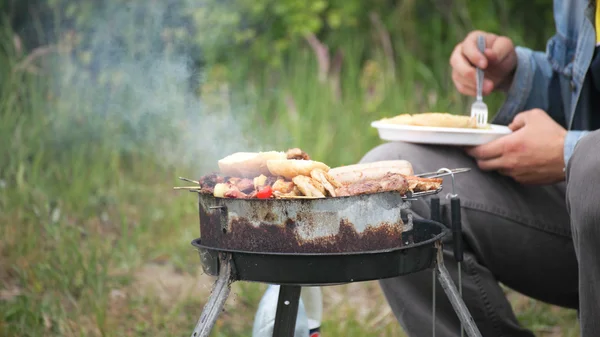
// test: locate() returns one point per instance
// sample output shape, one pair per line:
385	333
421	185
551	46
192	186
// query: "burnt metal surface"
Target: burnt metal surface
417	253
344	224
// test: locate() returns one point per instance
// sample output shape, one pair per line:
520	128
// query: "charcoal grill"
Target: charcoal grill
320	242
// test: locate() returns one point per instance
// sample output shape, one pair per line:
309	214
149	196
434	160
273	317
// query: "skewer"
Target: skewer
414	195
438	173
407	197
190	180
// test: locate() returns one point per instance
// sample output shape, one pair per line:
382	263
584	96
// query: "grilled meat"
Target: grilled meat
243	184
297	153
317	183
418	184
207	190
271	180
230	190
212	179
208	182
390	182
283	186
326	181
295	192
350	174
307	187
263	180
233	192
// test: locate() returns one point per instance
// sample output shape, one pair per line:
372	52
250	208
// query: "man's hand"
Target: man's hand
499	62
532	154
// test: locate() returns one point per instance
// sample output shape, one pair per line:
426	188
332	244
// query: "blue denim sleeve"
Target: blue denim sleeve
531	86
570	141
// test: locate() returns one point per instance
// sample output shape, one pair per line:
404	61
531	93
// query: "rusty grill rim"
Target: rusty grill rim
374	241
444	231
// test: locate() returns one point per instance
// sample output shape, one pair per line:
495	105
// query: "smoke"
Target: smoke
126	82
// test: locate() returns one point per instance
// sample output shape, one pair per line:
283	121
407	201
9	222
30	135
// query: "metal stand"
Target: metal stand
217	299
289	299
454	296
287	310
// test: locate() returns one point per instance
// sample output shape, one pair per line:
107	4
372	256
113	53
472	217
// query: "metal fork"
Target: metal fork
479	110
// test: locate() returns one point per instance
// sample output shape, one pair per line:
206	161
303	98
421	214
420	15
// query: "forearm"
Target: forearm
534	85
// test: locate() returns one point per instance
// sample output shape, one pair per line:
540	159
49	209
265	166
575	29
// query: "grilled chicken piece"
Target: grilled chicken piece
294	193
283	186
329	184
317	184
418	184
307	187
390	182
297	153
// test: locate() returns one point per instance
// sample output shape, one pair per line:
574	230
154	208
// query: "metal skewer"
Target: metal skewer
439	173
190	180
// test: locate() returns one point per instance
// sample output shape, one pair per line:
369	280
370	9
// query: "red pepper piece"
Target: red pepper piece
265	193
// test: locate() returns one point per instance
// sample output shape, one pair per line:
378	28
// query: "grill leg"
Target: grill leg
287	310
217	299
454	296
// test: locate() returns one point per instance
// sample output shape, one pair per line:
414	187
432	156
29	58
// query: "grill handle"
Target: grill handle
456	228
435	209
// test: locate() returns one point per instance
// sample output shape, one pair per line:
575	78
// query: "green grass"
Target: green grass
94	241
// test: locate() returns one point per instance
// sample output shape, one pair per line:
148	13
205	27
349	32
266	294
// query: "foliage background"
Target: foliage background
104	103
382	57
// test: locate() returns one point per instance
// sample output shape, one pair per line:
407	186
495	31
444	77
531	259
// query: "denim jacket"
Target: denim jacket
553	80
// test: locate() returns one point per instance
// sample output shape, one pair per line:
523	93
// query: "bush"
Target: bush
264	32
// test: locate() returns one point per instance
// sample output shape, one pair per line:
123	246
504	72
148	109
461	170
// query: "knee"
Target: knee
424	158
583	181
392	151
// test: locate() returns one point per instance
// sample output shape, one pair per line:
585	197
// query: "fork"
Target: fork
479	110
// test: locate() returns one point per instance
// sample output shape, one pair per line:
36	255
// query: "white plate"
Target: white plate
439	135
